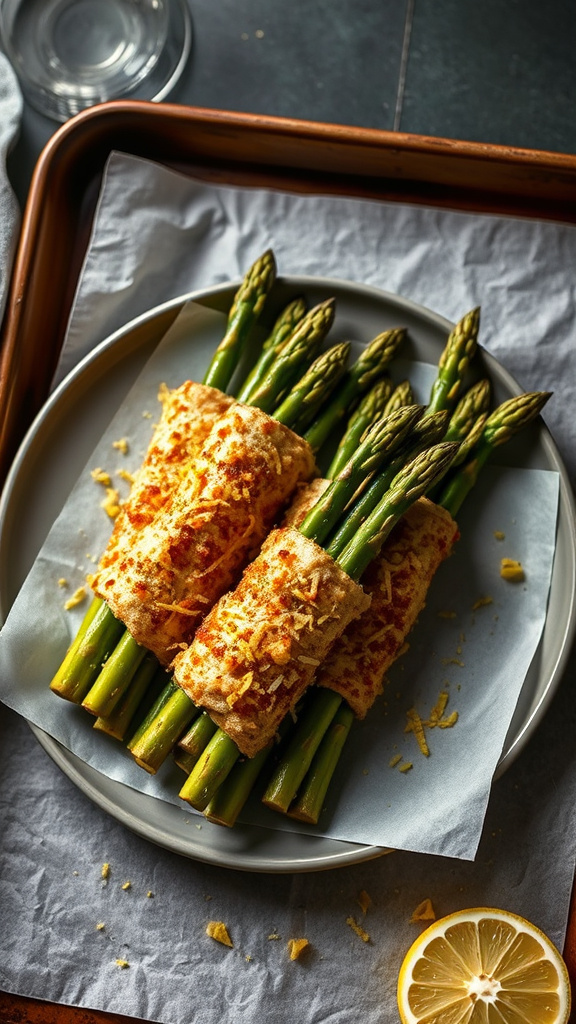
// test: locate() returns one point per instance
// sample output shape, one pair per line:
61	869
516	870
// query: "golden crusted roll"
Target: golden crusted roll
163	585
260	646
398	582
188	414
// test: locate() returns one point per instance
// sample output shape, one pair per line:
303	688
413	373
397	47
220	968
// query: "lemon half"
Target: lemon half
483	966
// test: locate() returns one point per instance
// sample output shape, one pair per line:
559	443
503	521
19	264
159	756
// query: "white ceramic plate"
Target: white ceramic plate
60	442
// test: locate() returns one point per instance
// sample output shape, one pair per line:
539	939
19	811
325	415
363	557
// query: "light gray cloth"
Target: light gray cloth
10	117
52	898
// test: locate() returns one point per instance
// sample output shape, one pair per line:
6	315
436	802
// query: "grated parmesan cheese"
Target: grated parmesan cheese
353	924
511	570
424	912
218	931
77	597
296	948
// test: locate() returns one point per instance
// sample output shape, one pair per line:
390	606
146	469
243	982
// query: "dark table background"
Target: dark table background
494	71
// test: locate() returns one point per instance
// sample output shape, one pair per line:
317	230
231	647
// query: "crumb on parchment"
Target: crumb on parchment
511	570
499	535
218	931
111	503
127	885
123	964
78	596
100	926
296	948
424	912
105	871
364	901
357	929
121	445
100	476
482	602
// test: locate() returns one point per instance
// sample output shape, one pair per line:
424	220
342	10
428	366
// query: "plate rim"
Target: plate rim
345	853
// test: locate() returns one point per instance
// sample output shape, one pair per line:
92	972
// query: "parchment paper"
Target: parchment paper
159	235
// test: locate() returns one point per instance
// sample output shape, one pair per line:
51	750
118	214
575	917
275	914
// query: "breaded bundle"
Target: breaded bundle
260	646
179	565
188	414
398	582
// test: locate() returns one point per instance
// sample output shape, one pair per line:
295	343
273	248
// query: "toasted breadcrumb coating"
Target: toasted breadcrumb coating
215	521
188	414
398	582
260	646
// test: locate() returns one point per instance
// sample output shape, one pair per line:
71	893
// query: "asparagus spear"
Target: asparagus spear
308	804
402	395
302	403
95	640
282	330
221	753
298	352
246	308
428	431
370	409
370	365
145	686
510	417
454	362
474	403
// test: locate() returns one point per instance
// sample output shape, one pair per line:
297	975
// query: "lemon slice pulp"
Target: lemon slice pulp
483	966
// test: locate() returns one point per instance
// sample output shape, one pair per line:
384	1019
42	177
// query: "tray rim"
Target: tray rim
346	853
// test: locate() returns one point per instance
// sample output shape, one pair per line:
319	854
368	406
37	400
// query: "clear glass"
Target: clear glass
71	54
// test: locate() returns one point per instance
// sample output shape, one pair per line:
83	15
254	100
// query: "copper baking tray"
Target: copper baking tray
233	149
245	149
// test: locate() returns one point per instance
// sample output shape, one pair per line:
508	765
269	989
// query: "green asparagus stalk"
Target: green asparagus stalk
96	639
370	409
302	403
200	732
454	361
308	804
145	687
370	365
299	351
194	742
474	403
246	308
150	746
282	330
401	395
115	677
229	799
510	417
